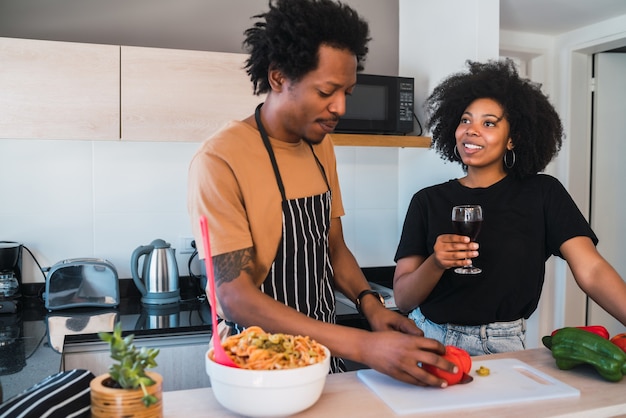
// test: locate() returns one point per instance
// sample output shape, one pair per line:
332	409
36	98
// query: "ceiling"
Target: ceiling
553	17
100	21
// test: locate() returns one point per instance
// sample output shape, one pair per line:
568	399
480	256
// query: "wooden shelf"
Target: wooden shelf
363	140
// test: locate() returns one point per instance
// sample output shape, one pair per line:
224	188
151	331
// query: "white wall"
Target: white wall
69	199
436	38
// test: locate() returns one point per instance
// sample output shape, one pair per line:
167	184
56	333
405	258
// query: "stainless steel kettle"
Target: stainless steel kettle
159	283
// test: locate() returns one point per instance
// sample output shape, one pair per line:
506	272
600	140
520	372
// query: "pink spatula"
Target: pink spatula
219	354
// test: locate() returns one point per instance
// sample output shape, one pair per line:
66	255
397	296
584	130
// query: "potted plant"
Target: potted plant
128	389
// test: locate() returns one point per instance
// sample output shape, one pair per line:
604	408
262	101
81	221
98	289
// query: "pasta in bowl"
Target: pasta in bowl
279	374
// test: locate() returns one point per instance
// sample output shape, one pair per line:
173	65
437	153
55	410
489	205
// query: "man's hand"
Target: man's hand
388	328
400	356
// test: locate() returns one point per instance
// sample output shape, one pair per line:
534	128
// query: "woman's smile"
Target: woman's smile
471	148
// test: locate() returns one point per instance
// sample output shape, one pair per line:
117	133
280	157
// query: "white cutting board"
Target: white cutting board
510	381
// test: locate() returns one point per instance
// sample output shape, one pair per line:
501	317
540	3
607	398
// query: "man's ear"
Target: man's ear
275	78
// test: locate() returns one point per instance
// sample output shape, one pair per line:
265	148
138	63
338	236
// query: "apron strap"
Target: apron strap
268	147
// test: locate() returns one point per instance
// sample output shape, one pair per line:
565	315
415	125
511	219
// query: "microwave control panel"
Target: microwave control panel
406	93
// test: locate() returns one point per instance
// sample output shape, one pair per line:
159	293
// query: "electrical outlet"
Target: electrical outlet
185	246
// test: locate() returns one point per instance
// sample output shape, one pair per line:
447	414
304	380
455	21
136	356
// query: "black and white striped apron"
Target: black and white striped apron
301	274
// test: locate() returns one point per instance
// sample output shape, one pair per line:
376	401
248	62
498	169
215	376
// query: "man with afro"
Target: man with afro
269	189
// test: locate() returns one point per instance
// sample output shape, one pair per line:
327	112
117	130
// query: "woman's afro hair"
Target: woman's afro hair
535	126
289	36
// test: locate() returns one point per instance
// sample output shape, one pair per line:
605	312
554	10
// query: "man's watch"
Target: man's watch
365	293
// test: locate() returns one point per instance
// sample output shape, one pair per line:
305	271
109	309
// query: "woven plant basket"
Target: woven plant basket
115	402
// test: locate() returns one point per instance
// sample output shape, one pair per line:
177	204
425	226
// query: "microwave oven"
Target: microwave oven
379	105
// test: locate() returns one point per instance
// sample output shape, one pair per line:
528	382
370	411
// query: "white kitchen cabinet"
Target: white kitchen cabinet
181	95
58	90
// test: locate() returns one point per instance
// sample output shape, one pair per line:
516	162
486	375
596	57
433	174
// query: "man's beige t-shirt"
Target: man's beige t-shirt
232	183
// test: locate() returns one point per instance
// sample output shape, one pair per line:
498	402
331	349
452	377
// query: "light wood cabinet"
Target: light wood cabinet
58	90
65	90
180	95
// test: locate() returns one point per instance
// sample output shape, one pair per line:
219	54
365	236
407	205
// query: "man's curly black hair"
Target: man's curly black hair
535	126
292	32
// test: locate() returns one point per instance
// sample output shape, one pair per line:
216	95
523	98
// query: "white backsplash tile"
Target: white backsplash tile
119	234
46	176
141	176
376	237
51	237
377	178
69	199
346	170
348	222
47	200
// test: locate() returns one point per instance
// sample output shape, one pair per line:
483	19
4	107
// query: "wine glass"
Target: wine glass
467	220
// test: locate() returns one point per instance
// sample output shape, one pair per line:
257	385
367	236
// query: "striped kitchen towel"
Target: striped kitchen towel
61	395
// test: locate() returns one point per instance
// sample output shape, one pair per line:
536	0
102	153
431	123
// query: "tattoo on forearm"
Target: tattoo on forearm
230	265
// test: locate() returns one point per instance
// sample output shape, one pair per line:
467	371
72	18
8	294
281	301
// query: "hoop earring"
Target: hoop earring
456	152
506	163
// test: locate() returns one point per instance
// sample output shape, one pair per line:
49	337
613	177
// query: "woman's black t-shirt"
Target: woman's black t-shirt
525	221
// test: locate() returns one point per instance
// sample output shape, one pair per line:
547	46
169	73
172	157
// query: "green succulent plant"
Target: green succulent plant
130	372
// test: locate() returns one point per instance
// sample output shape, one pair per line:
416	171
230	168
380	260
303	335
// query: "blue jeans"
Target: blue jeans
477	340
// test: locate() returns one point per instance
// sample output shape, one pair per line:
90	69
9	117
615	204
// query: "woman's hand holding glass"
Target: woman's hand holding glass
452	250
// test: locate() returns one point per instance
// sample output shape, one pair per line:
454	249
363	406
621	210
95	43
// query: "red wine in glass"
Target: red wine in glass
468	228
467	220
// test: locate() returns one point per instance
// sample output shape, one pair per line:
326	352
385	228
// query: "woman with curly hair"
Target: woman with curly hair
503	131
269	189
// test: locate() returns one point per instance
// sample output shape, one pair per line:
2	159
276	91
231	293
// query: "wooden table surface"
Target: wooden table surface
346	396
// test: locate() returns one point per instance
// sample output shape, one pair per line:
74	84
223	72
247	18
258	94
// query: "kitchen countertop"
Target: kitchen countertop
345	395
32	340
29	353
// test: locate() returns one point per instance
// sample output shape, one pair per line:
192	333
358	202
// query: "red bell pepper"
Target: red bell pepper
620	341
596	329
460	358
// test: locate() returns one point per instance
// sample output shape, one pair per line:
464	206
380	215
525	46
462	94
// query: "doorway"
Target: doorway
608	149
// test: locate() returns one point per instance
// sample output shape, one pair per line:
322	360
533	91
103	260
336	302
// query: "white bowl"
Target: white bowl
267	393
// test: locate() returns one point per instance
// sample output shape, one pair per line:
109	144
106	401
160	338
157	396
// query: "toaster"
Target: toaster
81	282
